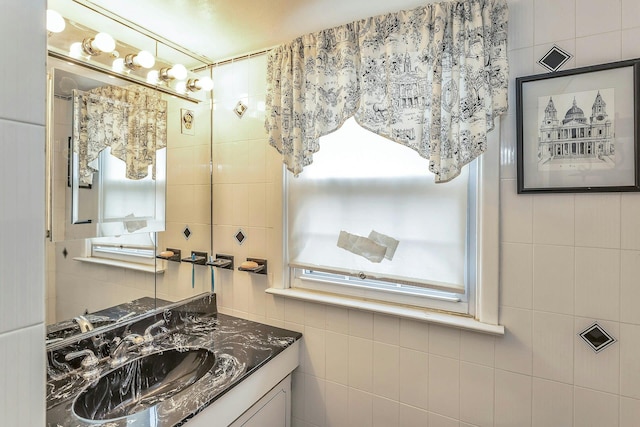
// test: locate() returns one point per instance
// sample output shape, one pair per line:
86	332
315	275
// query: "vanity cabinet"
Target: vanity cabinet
273	410
263	399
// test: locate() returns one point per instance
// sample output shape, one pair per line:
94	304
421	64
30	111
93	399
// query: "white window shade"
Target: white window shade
121	196
360	182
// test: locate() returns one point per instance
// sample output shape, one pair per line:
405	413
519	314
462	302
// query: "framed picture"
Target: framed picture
578	129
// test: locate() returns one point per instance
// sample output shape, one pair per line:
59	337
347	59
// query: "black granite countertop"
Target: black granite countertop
240	346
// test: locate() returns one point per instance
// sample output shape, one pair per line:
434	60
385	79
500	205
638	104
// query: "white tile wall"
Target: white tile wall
476	394
553	339
629	360
554	278
594	408
386	370
517	275
22	375
629	412
607	19
23	78
597	290
598	49
513	399
552	403
567	260
414	375
22	258
22	214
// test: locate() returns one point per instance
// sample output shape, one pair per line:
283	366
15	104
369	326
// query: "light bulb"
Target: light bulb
141	59
103	42
145	59
75	50
202	83
118	65
152	77
178	72
181	86
55	21
206	83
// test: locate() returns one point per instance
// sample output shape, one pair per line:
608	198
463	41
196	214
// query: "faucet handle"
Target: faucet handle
83	323
120	348
147	332
89	363
148	337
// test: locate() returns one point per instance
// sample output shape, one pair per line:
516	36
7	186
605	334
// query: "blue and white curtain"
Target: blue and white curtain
431	78
132	121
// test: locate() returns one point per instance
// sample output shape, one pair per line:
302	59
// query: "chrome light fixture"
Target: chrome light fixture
201	83
142	59
102	42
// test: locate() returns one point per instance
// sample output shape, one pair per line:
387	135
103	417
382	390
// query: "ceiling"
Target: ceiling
223	29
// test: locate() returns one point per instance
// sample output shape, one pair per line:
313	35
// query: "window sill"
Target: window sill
154	269
406	312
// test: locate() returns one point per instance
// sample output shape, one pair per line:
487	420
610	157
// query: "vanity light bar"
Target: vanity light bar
124	77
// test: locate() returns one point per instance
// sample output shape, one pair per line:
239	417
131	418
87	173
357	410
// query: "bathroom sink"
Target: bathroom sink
142	383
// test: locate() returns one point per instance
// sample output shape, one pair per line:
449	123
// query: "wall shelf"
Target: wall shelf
260	269
197	258
175	257
222	261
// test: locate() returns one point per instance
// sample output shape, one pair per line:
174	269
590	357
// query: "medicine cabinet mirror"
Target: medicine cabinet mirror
105	193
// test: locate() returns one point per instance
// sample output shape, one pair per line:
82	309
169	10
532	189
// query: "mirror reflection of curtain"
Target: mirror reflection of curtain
431	78
131	121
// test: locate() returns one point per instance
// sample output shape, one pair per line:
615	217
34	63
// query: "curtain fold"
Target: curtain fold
431	78
132	121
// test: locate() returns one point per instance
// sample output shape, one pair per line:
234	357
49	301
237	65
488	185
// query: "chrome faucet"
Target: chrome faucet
119	355
148	338
84	323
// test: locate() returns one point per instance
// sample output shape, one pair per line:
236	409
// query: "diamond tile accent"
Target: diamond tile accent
554	58
187	232
240	237
240	109
597	338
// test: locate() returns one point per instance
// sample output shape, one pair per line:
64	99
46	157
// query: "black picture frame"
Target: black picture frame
577	130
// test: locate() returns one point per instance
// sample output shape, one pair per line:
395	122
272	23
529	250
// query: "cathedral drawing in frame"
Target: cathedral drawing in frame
576	130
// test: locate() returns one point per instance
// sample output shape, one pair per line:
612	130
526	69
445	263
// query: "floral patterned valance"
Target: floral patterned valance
132	121
431	78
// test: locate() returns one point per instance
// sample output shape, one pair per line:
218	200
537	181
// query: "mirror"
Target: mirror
96	192
106	225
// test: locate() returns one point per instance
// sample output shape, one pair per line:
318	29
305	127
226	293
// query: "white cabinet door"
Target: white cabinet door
272	410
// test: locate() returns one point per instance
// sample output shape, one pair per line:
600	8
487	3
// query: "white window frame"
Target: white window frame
124	252
484	296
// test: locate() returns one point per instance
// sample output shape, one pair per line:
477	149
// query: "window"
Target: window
361	183
128	205
133	248
130	251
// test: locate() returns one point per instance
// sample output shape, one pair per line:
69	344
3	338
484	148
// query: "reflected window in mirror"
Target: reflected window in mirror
132	248
130	205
